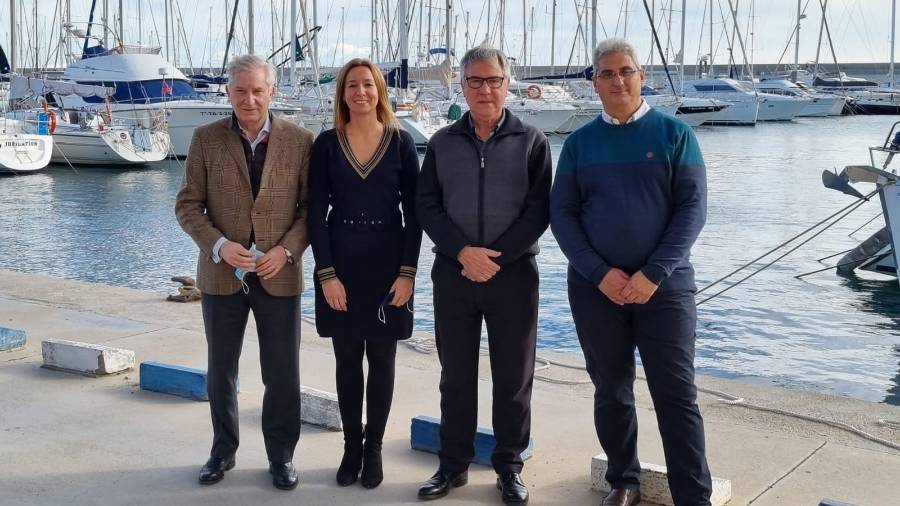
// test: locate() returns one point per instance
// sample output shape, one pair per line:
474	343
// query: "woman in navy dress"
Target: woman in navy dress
365	239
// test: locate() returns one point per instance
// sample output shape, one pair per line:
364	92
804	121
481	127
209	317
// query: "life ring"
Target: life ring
533	92
52	121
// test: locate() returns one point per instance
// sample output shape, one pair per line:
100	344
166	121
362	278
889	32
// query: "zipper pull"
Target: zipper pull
482	162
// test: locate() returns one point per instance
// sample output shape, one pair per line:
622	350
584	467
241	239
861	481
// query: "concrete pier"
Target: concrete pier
68	439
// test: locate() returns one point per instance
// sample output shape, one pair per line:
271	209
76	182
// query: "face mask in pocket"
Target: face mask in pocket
241	273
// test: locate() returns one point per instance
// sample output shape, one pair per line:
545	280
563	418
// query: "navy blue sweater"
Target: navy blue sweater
632	197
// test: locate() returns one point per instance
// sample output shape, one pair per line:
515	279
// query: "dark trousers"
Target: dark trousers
663	330
278	326
379	390
508	305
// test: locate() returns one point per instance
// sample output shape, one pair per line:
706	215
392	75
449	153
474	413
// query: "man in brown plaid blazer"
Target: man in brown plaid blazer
245	192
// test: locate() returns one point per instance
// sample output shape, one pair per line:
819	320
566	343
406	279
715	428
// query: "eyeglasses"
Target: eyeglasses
492	82
625	73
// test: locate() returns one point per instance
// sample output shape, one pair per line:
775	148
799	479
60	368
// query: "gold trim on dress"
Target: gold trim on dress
365	169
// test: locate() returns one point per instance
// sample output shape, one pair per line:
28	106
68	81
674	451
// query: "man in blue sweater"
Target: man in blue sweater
627	204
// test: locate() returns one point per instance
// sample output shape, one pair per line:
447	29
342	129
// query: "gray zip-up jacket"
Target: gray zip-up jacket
493	194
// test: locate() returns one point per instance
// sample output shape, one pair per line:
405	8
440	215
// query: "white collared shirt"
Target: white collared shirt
638	114
266	129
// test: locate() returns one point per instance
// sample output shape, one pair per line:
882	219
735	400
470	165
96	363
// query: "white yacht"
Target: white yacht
89	137
820	103
22	152
693	111
144	83
745	104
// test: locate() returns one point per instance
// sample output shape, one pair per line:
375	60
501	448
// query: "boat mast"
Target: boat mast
524	36
502	23
797	45
403	26
105	22
250	32
12	35
683	14
121	24
553	39
819	45
893	30
36	42
447	31
709	73
593	25
293	45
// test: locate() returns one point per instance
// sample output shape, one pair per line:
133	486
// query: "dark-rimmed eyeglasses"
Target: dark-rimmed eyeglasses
625	73
492	82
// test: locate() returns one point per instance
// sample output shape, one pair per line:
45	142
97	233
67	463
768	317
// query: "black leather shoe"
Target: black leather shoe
372	472
440	484
214	469
622	497
512	488
284	475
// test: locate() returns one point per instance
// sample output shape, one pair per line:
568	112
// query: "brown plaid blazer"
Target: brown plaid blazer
215	200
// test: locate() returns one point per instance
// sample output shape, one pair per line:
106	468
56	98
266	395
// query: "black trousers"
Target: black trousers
508	305
278	326
379	389
663	330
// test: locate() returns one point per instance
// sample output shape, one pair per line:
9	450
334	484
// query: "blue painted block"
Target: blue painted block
11	339
175	379
832	502
425	435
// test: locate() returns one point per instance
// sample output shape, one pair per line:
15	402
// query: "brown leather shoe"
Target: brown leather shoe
622	497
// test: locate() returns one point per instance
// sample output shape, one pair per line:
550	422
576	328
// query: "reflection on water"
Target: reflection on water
822	332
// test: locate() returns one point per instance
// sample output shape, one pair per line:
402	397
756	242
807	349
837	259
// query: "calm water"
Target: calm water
824	332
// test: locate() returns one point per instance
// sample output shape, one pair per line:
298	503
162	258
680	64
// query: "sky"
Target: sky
860	29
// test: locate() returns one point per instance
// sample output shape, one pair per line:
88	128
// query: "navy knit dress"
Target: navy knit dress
363	230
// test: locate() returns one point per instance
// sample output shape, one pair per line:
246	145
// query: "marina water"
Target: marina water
823	332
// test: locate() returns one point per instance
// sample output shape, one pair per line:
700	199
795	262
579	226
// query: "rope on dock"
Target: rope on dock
426	345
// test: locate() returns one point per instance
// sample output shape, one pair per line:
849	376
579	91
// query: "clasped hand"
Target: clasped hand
624	289
477	263
237	256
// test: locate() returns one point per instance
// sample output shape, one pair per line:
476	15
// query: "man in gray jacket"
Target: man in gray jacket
483	198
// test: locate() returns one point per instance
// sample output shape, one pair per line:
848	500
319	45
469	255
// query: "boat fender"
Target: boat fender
533	92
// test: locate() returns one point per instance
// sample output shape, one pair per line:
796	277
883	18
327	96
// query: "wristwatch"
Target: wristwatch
290	257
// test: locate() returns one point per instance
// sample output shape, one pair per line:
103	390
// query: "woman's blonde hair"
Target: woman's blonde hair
383	109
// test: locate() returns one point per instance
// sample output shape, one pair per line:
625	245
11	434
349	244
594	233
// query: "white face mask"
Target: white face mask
382	317
241	273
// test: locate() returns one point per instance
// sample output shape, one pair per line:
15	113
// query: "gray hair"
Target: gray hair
612	46
484	52
249	62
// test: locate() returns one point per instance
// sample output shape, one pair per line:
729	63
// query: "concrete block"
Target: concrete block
320	408
654	483
425	435
11	339
85	358
176	380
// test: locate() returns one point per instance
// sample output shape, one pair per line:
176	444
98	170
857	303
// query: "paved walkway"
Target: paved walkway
67	439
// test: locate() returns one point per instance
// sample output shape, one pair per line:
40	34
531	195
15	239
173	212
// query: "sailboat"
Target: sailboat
20	151
89	136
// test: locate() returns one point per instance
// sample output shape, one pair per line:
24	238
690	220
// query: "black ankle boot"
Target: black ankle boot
372	472
352	461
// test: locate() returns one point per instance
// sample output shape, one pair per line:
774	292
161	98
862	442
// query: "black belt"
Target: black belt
362	221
